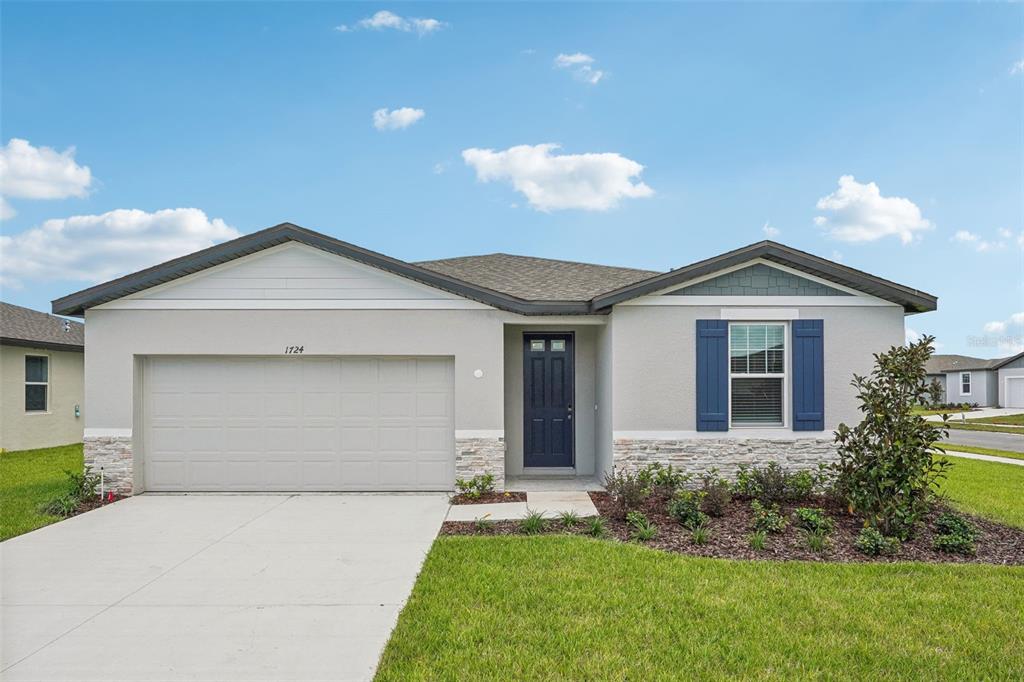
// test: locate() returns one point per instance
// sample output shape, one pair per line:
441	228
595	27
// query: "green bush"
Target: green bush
533	523
483	524
817	541
887	469
63	506
757	540
772	484
813	520
642	529
596	527
78	488
476	487
717	494
661	480
768	519
871	542
685	508
628	490
569	518
701	535
954	534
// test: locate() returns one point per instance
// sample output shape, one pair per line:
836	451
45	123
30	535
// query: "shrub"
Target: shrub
887	469
78	488
476	487
771	483
596	527
701	535
768	519
685	508
63	506
627	490
817	542
954	534
871	542
717	494
483	524
661	480
642	529
757	540
533	523
813	520
569	518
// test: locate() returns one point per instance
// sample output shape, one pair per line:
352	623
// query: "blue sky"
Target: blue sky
740	115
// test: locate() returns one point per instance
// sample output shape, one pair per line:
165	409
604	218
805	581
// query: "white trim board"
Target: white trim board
756	314
292	304
107	433
479	433
736	433
767	301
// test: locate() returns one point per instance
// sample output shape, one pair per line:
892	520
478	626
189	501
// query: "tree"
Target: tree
936	392
887	466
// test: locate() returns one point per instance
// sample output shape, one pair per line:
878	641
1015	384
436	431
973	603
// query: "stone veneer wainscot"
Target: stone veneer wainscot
112	454
474	456
700	455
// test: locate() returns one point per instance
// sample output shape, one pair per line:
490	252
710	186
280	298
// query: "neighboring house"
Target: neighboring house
289	360
1010	380
965	379
41	379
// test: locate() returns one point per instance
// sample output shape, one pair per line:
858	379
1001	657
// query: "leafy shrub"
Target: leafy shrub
701	535
871	542
78	488
955	534
63	506
887	469
483	524
772	484
813	520
768	519
685	508
627	490
476	487
533	523
817	541
757	540
569	518
596	527
661	480
642	529
717	494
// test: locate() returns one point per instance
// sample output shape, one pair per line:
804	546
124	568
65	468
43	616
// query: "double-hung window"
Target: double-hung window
757	374
965	383
37	383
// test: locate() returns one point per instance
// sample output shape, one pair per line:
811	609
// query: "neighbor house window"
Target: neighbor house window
965	383
37	382
757	373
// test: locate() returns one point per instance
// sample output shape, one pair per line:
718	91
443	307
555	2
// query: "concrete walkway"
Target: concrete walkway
214	587
986	458
549	503
980	413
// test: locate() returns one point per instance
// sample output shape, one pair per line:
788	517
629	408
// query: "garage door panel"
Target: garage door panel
302	423
1014	392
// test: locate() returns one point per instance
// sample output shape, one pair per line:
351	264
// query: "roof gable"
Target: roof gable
26	327
758	280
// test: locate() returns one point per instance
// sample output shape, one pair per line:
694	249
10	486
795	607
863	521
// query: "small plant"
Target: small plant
596	527
717	494
483	524
533	523
685	508
642	529
813	520
627	489
771	483
768	519
817	541
476	487
701	535
954	534
757	540
662	480
871	542
569	518
63	506
78	488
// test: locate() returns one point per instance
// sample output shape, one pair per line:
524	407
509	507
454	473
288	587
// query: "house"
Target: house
965	379
41	379
1010	381
290	360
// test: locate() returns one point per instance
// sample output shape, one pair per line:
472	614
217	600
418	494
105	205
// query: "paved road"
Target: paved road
987	439
214	587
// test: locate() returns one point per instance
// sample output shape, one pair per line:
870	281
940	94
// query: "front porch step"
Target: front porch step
548	472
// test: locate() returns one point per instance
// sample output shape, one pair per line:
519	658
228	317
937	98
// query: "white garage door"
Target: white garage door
1015	392
298	423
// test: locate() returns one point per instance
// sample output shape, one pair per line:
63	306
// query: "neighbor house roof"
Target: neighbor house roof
520	284
532	279
26	327
940	364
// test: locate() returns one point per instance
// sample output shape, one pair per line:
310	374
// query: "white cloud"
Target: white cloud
976	242
581	66
28	172
1018	67
770	231
440	167
6	210
94	248
396	119
385	20
995	327
552	182
1008	334
859	213
1017	318
1004	233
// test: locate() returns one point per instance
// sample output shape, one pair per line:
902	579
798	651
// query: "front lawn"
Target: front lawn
30	479
994	428
990	489
927	411
560	607
1012	419
982	451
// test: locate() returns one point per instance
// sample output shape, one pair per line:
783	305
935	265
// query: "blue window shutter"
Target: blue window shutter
712	375
808	375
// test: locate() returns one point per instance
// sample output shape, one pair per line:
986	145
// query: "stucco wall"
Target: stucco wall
603	443
20	430
984	388
584	407
1009	371
654	364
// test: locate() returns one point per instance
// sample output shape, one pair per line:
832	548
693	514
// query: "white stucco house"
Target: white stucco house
995	382
290	360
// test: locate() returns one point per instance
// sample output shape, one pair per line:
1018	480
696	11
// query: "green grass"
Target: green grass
984	451
990	489
1017	419
30	479
558	607
926	412
996	428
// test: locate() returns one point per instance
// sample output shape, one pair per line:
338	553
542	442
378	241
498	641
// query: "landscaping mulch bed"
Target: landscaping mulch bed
728	535
490	498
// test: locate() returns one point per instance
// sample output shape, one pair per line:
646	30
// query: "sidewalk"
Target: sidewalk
986	458
548	503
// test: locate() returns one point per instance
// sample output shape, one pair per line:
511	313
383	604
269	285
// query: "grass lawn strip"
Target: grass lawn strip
983	451
28	480
1011	419
989	489
561	607
992	428
925	412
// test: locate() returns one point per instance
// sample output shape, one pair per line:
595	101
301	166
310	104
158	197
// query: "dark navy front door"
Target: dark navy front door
548	391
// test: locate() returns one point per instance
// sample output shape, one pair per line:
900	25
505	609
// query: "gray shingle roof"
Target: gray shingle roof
940	364
26	327
537	279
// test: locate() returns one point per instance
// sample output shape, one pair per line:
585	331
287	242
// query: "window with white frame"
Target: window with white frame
757	373
965	383
37	383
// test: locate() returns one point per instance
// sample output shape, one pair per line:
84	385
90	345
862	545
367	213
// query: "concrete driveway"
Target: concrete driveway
214	587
